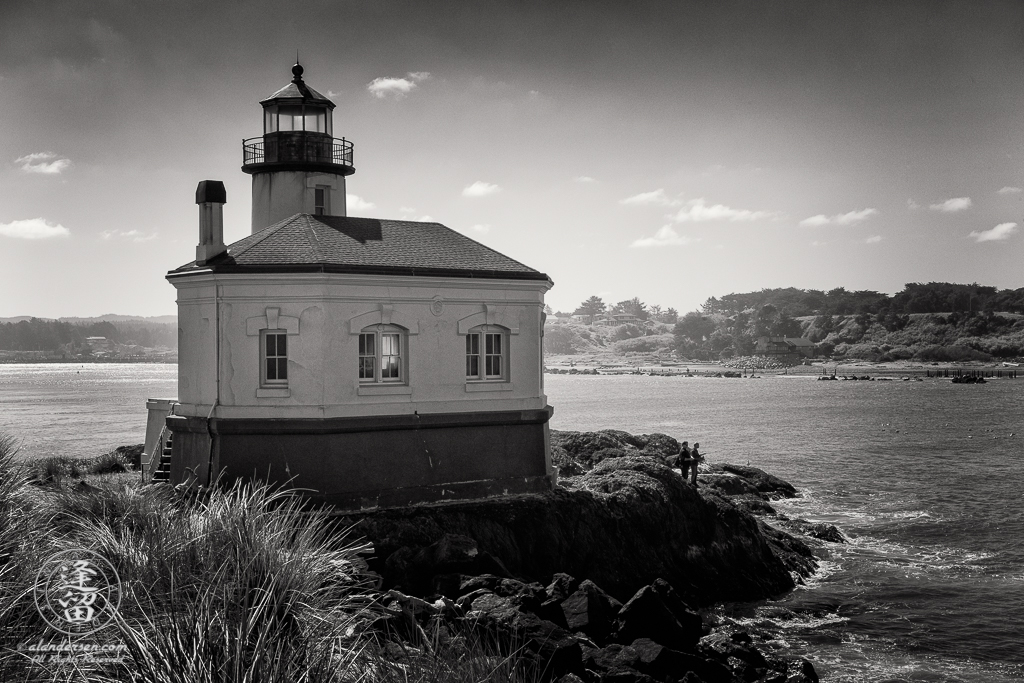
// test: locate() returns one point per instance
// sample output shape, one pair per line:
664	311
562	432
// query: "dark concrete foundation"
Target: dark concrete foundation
371	462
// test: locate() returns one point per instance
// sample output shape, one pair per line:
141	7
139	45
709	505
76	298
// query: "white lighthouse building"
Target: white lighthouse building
372	362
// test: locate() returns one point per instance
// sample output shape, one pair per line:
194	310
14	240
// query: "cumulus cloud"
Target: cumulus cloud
848	218
952	205
133	235
43	162
665	237
33	229
357	203
697	211
874	239
1010	190
1000	232
480	189
655	198
396	87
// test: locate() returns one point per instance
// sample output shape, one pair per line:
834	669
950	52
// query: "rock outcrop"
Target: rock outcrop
626	522
627	550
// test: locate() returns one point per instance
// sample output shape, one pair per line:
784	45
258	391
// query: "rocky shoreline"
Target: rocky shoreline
604	578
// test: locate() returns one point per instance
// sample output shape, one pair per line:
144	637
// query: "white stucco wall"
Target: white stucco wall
327	311
282	194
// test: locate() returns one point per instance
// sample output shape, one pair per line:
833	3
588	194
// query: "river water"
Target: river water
923	477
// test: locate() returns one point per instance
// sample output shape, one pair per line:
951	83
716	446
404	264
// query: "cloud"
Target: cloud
912	205
357	203
584	179
133	235
875	239
480	189
1010	190
952	205
848	218
396	87
33	229
655	198
1000	232
43	162
696	211
482	228
426	219
665	237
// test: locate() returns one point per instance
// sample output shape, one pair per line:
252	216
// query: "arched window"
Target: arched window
382	355
487	354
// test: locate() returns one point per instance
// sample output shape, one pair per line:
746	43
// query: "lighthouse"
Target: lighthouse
369	362
297	165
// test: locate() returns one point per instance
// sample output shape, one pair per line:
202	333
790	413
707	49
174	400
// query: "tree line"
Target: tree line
933	297
50	335
596	307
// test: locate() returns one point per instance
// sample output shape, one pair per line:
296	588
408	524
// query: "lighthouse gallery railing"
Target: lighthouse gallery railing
296	147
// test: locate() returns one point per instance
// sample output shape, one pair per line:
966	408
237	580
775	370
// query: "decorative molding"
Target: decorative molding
491	315
473	387
384	390
273	393
437	305
273	320
384	315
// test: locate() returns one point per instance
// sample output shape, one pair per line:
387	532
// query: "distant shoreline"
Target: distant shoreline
97	361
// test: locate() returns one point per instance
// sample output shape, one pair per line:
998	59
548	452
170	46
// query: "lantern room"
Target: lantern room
297	165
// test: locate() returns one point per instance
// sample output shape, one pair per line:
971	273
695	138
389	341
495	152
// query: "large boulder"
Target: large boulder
548	646
657	613
765	483
591	611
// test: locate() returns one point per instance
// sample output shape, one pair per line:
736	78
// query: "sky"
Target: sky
671	151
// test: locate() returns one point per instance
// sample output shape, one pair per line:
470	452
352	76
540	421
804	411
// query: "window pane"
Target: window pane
472	366
389	367
493	366
366	345
271	345
282	368
366	367
282	344
271	369
389	345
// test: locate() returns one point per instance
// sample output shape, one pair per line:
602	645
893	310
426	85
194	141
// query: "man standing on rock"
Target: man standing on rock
695	459
683	459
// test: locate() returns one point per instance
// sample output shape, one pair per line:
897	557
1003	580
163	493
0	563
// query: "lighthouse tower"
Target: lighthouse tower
297	165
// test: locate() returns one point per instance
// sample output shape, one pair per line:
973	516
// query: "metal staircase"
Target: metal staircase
163	469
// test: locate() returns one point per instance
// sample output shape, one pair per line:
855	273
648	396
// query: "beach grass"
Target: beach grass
235	584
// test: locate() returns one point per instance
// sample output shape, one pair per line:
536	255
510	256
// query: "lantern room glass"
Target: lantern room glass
287	118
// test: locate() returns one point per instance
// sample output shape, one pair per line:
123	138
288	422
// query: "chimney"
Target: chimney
211	198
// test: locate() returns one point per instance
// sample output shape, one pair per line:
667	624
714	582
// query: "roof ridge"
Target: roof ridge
313	238
269	230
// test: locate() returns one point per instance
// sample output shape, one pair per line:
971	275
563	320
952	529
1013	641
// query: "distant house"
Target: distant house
583	318
785	346
616	319
98	344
